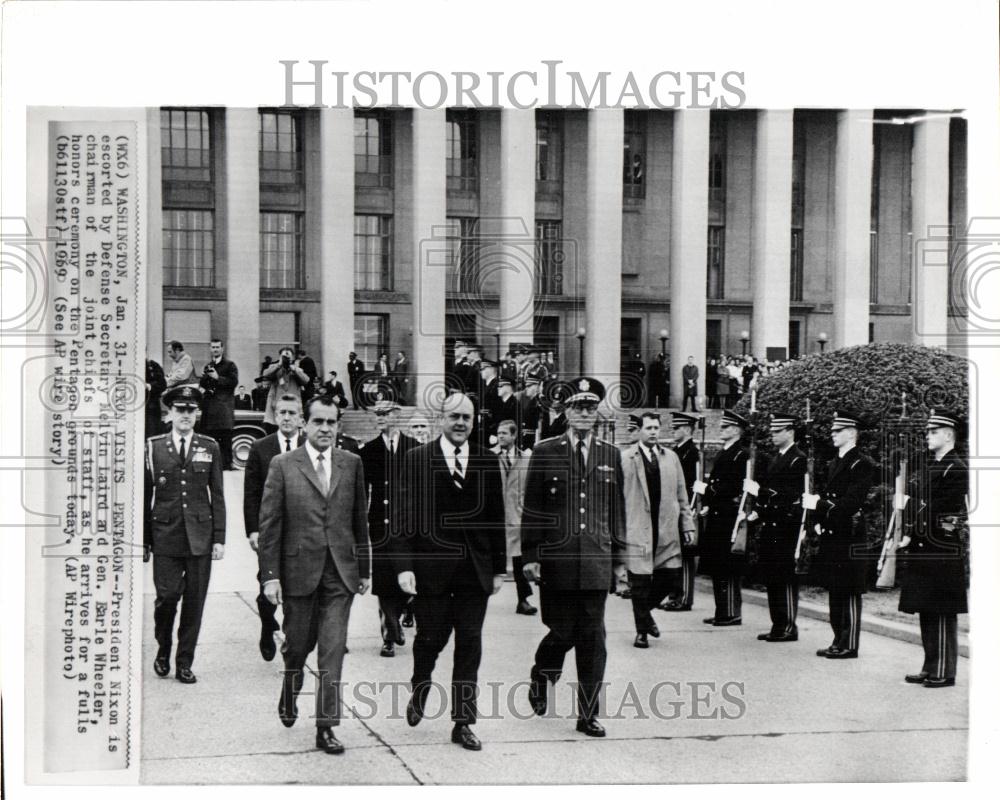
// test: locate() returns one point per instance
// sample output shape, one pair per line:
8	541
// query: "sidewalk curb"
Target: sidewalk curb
877	625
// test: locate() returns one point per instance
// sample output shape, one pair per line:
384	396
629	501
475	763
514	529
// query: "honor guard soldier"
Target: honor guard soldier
934	581
779	508
690	457
722	500
184	526
572	539
841	558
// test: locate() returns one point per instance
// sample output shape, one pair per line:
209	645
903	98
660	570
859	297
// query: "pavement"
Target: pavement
701	705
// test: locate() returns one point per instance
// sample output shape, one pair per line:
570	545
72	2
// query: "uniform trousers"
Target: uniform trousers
689	568
575	619
783	603
461	608
318	620
390	611
728	596
939	634
184	580
845	618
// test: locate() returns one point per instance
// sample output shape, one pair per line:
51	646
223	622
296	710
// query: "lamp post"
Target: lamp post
581	334
822	339
744	339
658	391
664	335
496	334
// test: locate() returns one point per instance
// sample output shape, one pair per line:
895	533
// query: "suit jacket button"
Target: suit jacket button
583	511
583	495
385	521
583	526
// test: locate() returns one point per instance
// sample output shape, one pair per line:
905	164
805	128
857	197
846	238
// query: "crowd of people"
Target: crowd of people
433	526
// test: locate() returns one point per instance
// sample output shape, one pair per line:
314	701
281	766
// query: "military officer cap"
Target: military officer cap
518	348
488	363
944	419
385	406
681	420
782	422
182	396
535	374
634	422
730	417
503	382
846	419
586	390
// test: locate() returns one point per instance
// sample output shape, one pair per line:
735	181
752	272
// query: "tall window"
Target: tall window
370	337
282	200
463	268
548	153
281	250
372	149
796	258
188	197
462	151
549	257
798	207
373	252
717	161
716	262
873	228
634	172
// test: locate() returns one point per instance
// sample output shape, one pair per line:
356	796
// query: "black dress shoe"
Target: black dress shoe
641	641
161	666
654	632
185	675
414	712
762	637
524	607
538	692
919	677
782	637
842	654
938	683
408	618
674	606
287	716
388	650
400	636
591	727
709	620
725	623
327	742
463	735
826	651
267	647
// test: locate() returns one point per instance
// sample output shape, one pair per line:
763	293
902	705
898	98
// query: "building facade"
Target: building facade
597	233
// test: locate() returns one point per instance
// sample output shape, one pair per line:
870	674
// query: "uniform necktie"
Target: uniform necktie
581	455
321	473
183	449
457	476
288	444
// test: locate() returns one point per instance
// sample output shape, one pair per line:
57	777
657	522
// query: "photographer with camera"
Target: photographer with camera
218	383
285	376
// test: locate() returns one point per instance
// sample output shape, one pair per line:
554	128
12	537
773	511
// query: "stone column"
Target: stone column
153	260
688	247
771	232
852	221
242	236
517	226
929	193
603	250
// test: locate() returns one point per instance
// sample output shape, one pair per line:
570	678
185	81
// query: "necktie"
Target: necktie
506	462
581	455
321	473
183	449
457	477
288	444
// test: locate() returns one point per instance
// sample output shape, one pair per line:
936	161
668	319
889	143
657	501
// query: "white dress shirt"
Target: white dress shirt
448	449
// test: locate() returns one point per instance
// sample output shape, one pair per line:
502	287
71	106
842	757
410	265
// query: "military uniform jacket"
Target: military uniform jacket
184	508
779	506
573	524
689	456
383	474
722	497
933	577
842	561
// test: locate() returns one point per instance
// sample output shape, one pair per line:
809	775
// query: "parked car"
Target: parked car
248	427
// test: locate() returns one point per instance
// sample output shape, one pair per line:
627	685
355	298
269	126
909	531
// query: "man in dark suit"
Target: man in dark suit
689	374
383	459
690	457
779	507
934	580
489	397
451	553
242	400
840	514
156	384
314	557
288	412
308	366
572	539
401	377
721	506
335	389
218	383
355	369
184	527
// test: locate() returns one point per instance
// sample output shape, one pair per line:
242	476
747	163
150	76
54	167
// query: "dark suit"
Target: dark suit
779	506
217	407
401	379
690	458
454	540
528	418
318	547
547	428
725	489
573	525
383	474
842	559
347	443
689	374
244	403
157	382
355	369
934	578
184	514
258	463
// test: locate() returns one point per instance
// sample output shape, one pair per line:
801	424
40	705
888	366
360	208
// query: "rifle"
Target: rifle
894	531
739	542
699	478
807	544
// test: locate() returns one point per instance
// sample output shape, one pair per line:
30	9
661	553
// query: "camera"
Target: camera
286	362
